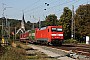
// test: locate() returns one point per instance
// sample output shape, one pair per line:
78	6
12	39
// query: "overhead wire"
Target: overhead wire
71	6
54	10
46	6
31	4
61	9
38	7
61	4
42	6
25	10
65	3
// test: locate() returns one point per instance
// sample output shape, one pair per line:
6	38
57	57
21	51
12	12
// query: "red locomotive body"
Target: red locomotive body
51	35
24	36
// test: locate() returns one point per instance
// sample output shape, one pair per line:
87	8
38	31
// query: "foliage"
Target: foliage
13	54
28	25
51	20
82	21
65	21
71	41
43	23
12	23
32	31
2	50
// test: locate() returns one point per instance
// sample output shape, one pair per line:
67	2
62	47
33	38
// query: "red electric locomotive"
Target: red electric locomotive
49	35
24	36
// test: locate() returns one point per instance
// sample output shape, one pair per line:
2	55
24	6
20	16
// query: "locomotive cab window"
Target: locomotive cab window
53	29
56	29
59	29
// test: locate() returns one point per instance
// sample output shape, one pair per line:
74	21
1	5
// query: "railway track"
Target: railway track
79	48
67	48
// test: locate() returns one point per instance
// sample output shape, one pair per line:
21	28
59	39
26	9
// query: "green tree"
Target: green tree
51	20
65	21
82	20
28	25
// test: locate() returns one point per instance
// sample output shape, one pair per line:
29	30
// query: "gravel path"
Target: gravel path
60	55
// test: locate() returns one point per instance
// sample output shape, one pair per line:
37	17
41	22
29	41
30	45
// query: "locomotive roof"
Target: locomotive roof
48	26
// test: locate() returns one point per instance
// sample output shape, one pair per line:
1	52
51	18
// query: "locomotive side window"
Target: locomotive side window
48	30
56	29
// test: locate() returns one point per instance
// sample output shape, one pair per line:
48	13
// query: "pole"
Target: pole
72	30
15	33
2	27
39	23
74	22
9	31
4	8
6	20
87	1
2	17
33	27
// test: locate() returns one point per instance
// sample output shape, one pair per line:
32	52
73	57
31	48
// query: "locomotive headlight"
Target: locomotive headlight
52	37
60	34
61	37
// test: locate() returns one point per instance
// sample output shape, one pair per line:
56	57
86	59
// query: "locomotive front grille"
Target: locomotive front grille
56	34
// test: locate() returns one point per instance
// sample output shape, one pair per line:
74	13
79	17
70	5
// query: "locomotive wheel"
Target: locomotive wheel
60	44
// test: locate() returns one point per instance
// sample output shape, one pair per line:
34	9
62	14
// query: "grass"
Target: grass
19	53
13	54
40	56
71	41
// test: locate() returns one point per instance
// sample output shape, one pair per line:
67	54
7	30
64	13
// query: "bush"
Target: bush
2	50
14	54
71	41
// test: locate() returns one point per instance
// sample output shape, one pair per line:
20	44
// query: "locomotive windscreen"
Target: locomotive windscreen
56	29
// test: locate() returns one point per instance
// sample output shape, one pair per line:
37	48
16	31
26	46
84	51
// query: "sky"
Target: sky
34	9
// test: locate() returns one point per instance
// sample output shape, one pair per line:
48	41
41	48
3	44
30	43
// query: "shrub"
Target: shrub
72	41
14	54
